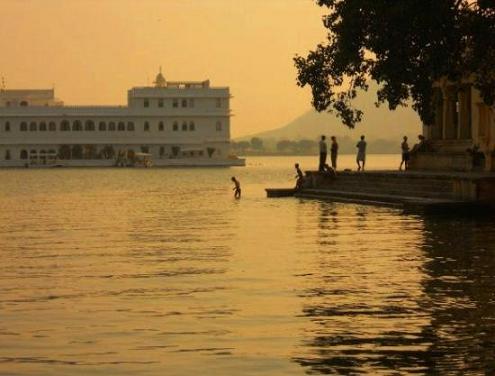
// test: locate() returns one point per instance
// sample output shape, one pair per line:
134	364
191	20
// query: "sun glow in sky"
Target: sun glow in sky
92	51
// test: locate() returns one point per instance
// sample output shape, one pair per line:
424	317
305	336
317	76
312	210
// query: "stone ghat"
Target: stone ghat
411	189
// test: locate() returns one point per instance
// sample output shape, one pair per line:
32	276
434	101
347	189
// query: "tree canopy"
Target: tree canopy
403	45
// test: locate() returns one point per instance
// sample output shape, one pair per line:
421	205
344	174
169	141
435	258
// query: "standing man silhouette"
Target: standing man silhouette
299	177
405	154
361	154
334	150
323	154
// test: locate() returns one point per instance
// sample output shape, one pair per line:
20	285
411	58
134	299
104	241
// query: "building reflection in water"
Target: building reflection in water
398	293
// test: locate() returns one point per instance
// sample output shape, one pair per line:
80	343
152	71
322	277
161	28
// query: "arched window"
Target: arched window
184	126
7	127
146	126
175	103
65	126
43	127
121	126
64	152
33	154
23	154
108	152
175	126
77	152
52	127
184	103
146	103
77	126
161	127
111	126
160	102
192	126
102	126
89	125
23	104
32	126
89	152
130	126
43	156
24	126
7	155
219	126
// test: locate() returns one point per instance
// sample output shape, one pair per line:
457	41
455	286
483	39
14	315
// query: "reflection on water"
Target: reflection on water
417	295
461	294
363	292
162	272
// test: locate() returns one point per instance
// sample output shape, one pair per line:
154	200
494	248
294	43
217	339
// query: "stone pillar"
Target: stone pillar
464	114
449	114
490	132
436	129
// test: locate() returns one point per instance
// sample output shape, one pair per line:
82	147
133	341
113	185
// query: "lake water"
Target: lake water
162	272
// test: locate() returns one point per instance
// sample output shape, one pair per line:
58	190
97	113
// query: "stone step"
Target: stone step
366	178
384	184
374	198
397	185
405	193
408	192
412	191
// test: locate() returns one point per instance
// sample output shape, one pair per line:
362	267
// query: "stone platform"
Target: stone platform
412	189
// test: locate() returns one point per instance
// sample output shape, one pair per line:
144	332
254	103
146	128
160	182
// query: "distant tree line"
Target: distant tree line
243	147
347	145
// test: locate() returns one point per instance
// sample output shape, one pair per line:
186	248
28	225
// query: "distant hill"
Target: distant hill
377	124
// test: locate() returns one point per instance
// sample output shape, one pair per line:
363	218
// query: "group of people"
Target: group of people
334	151
423	145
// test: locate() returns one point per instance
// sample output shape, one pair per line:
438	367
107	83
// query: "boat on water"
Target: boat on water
178	123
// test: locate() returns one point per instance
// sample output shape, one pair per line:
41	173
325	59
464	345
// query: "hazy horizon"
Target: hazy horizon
93	51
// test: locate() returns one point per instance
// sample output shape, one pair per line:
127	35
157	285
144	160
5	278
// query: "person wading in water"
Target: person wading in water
237	187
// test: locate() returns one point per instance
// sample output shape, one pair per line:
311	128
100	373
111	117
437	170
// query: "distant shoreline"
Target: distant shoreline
275	154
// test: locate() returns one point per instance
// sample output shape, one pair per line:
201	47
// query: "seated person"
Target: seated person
329	171
423	145
299	177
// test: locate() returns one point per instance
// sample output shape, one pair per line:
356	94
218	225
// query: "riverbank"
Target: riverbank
411	190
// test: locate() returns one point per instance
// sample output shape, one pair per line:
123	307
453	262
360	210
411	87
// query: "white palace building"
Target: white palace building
171	123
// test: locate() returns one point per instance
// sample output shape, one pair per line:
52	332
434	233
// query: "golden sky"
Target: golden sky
94	50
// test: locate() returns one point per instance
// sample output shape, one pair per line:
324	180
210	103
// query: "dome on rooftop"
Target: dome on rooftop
160	80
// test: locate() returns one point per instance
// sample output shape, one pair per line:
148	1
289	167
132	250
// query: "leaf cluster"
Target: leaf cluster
403	45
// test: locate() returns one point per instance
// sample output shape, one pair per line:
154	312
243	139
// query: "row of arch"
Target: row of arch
69	152
76	125
90	126
33	154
